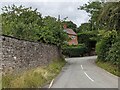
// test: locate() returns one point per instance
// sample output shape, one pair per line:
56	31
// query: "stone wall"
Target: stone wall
19	55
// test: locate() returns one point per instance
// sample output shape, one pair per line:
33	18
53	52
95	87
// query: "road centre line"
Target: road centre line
89	77
81	66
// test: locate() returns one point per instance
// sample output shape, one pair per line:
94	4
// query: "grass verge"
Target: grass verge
109	67
34	78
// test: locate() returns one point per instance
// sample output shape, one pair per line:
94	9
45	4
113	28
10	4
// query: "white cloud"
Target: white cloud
58	7
82	1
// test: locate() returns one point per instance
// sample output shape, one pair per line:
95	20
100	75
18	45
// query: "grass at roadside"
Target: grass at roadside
34	78
0	81
109	67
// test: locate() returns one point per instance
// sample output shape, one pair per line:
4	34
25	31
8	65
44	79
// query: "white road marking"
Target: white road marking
51	84
81	66
89	77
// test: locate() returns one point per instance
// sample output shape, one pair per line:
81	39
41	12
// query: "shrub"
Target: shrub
88	38
102	49
114	53
74	51
105	43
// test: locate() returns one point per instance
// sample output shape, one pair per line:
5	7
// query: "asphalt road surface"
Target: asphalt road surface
83	73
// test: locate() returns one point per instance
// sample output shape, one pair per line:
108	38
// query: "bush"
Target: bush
114	53
104	44
88	38
102	49
74	51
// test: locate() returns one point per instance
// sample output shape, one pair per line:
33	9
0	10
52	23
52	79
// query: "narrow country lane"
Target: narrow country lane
83	73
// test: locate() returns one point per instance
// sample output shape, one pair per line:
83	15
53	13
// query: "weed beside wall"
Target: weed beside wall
34	78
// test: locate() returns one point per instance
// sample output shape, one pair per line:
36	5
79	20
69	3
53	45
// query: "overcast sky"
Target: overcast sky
64	8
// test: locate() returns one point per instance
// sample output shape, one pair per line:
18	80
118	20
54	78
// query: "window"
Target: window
64	30
73	37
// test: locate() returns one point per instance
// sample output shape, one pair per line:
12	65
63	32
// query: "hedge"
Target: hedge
74	51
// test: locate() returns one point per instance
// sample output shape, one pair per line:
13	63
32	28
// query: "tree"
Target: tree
110	16
84	27
109	19
94	9
87	32
52	31
21	22
105	20
26	23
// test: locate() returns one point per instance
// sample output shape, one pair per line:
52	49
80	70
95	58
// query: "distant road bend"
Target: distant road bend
83	73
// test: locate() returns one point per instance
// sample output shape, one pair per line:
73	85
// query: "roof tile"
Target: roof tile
70	31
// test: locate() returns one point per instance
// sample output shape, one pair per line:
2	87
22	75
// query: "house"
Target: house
72	35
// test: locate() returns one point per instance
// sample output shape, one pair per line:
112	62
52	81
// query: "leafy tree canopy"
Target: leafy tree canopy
28	24
94	9
105	20
109	18
84	27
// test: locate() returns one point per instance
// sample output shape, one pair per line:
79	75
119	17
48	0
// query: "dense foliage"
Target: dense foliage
88	38
105	43
21	22
87	32
75	51
84	27
105	21
114	52
28	24
109	17
94	9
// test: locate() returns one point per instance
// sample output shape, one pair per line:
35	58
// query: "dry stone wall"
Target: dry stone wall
19	55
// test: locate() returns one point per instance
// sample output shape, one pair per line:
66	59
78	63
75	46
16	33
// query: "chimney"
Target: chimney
65	26
58	17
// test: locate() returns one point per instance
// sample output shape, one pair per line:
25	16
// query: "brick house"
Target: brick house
72	35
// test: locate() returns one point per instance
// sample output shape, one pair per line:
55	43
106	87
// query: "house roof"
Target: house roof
70	31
